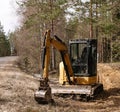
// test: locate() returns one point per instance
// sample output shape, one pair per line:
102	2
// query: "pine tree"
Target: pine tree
4	43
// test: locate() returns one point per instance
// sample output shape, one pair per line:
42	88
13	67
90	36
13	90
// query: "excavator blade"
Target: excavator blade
83	90
43	95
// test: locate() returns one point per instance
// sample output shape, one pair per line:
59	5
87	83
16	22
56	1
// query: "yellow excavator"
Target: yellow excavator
77	71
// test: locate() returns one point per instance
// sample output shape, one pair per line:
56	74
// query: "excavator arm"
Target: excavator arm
44	92
62	48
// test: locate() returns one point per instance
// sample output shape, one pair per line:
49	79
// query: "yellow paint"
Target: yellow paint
85	80
77	80
62	76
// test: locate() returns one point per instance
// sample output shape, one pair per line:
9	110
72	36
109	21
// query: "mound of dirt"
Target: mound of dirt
109	75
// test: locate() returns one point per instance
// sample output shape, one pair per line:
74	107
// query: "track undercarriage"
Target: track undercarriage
85	92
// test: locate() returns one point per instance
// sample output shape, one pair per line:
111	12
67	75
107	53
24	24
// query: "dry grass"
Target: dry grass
17	93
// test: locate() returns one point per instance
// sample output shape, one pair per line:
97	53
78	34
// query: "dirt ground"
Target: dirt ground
17	91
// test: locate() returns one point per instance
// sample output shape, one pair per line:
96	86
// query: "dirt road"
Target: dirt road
16	87
17	92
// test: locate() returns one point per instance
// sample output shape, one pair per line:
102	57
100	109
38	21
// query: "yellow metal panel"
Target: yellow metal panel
77	80
62	74
86	80
47	55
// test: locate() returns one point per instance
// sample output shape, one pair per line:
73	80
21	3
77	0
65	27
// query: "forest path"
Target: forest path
17	91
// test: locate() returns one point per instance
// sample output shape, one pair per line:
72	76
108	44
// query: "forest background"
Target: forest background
68	19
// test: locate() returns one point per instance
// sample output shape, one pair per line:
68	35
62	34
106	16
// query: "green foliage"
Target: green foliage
4	43
72	28
61	2
116	49
108	28
39	15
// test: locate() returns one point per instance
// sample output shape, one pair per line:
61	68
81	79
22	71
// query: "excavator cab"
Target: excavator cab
83	56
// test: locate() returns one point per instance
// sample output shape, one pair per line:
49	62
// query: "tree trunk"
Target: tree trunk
53	65
91	17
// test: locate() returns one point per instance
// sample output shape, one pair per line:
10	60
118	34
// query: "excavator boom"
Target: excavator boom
58	44
44	92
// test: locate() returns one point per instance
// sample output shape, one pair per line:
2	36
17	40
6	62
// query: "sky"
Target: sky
8	16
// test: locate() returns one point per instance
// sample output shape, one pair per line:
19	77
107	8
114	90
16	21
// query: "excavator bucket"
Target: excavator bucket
44	94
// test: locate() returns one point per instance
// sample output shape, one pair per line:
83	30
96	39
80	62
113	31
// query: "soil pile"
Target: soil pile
109	75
